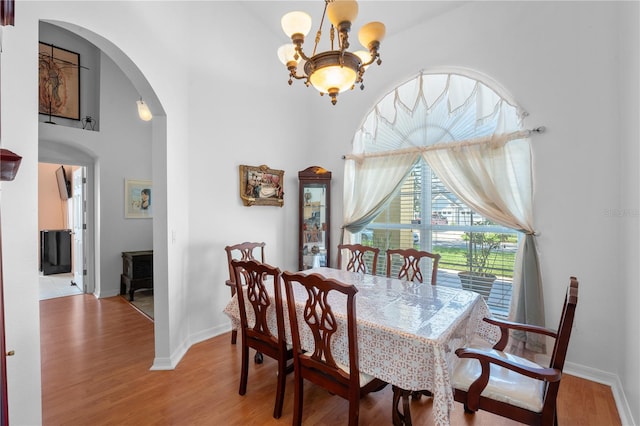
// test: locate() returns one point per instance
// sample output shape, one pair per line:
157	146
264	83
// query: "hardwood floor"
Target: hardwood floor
96	355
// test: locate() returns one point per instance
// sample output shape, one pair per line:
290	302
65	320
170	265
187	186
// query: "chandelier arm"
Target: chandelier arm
373	59
294	74
373	52
300	52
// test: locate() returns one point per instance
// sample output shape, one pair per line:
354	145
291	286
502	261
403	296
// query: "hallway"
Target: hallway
56	285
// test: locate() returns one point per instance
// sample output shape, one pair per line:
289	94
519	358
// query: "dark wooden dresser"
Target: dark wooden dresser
137	271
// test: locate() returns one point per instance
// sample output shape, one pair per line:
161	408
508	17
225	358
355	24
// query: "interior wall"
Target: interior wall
52	209
19	208
236	119
628	218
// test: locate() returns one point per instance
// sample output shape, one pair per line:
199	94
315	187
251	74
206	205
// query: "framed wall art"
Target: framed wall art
137	199
260	185
59	82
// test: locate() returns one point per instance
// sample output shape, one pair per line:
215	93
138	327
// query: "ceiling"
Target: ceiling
397	15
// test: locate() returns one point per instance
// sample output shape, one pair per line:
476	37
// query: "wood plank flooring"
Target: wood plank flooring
96	355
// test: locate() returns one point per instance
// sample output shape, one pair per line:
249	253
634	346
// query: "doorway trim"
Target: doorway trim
57	153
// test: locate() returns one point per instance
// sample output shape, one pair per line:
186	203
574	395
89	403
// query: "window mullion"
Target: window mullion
426	206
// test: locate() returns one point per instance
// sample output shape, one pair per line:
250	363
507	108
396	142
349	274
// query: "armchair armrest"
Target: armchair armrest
505	326
486	359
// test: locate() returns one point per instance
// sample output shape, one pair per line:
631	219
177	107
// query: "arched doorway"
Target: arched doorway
62	146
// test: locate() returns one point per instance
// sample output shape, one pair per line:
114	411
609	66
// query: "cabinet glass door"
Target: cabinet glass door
314	225
314	249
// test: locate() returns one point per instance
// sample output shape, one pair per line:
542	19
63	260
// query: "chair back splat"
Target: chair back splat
318	364
242	251
410	268
252	280
358	256
508	385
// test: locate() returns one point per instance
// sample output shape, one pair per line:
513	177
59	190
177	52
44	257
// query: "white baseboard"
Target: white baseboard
170	363
164	363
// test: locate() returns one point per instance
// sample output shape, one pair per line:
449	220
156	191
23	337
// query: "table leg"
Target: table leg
404	417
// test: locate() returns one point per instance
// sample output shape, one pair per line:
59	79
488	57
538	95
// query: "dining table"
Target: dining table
407	332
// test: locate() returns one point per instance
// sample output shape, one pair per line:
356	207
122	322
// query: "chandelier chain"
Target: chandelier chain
319	33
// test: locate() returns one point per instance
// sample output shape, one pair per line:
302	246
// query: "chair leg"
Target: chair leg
297	403
418	394
234	336
354	412
404	417
282	377
244	371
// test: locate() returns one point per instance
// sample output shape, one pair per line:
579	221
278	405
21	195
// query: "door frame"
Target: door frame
56	153
79	227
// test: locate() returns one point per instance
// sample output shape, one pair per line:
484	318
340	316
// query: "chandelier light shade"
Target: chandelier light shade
143	111
296	23
342	11
338	69
371	33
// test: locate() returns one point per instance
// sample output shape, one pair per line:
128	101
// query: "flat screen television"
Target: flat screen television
64	185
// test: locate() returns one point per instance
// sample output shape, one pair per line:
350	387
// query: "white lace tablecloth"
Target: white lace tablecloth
407	332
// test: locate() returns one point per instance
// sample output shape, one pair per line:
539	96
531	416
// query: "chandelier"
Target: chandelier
336	70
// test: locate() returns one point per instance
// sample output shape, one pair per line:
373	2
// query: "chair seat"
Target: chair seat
480	343
365	379
504	385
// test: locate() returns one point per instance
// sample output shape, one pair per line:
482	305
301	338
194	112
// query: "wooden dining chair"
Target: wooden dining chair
242	251
259	334
358	258
410	267
509	385
317	364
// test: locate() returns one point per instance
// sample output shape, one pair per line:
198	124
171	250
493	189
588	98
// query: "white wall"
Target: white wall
236	119
560	60
52	209
629	204
19	208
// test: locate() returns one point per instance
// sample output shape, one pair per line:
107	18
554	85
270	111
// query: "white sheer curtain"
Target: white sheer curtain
369	184
490	176
472	137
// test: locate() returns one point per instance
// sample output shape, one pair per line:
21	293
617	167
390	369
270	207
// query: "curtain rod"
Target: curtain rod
520	133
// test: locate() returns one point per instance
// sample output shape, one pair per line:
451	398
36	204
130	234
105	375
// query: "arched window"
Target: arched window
442	163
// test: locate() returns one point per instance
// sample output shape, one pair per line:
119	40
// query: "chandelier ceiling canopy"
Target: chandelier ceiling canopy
335	70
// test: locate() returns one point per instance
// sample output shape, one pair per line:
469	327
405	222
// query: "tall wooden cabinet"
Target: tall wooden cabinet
314	200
